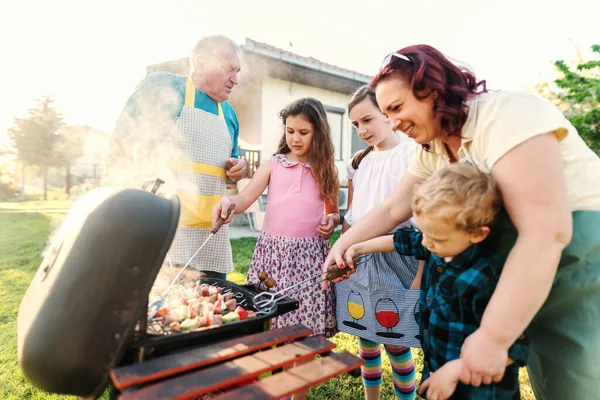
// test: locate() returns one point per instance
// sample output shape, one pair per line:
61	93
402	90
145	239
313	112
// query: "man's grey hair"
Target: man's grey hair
210	47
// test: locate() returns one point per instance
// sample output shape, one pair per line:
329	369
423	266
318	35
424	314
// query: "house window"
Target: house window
356	143
335	117
252	158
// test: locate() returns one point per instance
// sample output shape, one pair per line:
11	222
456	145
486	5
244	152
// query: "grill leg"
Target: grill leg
143	328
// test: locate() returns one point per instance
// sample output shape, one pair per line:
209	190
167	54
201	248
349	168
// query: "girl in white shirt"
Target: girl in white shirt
373	174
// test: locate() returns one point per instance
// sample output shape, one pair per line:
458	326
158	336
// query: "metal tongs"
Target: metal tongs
268	299
157	305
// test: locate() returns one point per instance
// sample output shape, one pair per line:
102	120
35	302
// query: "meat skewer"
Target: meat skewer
262	276
157	305
268	299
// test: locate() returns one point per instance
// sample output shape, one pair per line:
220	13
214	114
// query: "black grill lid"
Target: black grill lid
87	295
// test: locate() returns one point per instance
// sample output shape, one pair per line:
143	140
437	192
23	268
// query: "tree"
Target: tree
35	137
8	190
69	148
577	93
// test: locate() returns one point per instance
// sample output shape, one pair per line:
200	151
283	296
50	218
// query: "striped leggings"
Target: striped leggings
403	367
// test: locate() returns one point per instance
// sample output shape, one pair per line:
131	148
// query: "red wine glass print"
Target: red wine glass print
388	316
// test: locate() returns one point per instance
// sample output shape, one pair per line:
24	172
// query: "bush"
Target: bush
8	191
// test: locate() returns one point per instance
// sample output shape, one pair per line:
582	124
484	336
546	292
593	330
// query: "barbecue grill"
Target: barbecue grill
85	312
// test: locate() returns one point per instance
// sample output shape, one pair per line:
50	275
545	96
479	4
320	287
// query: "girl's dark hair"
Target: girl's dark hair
361	94
321	153
430	71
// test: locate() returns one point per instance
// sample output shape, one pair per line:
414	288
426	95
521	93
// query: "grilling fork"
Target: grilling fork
157	305
267	299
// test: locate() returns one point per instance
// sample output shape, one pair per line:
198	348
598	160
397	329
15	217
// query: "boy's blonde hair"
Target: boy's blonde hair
467	197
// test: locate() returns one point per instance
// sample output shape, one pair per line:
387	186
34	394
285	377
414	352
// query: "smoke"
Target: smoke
144	142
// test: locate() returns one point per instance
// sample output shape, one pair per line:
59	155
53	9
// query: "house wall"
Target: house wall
276	94
246	101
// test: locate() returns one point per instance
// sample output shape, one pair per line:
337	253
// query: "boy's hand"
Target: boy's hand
441	384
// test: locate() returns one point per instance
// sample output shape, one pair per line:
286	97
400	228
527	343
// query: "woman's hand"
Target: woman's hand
220	211
484	359
441	384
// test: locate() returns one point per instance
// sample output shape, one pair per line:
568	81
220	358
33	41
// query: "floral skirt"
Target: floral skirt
290	261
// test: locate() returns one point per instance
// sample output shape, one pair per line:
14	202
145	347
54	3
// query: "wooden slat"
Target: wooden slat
233	372
300	378
159	368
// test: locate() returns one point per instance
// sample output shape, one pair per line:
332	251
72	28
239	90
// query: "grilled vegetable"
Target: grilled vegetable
196	305
231	317
162	312
189	324
241	312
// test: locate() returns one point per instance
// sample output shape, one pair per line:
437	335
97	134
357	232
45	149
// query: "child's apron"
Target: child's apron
377	304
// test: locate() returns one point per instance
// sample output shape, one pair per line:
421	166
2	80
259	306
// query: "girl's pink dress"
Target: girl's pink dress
289	247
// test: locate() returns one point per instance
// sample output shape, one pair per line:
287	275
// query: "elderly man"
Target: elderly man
184	130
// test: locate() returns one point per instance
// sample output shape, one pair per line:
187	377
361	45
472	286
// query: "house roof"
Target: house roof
268	50
262	59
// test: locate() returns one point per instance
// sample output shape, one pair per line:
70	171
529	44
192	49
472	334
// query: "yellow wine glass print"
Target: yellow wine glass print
356	309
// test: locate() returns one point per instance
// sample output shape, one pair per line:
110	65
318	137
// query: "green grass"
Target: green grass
36	205
242	250
344	387
22	238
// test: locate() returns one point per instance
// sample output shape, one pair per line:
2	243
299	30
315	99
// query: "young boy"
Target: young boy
454	210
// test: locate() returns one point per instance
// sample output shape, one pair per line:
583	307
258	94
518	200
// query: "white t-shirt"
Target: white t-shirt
376	178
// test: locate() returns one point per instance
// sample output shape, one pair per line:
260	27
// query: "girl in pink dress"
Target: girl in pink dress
302	212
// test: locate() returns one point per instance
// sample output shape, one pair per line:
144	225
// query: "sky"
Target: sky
90	55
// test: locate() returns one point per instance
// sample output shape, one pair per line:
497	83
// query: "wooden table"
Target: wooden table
230	369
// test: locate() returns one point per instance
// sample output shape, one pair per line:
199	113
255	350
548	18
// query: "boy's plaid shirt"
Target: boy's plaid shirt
452	301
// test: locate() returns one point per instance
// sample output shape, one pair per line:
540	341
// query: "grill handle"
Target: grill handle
334	272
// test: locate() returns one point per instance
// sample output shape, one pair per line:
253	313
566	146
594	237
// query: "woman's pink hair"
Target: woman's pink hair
430	71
